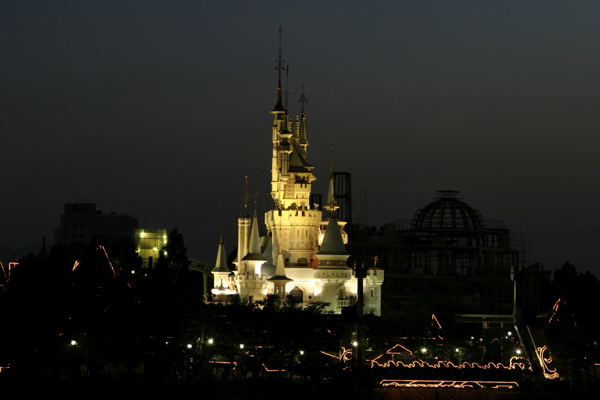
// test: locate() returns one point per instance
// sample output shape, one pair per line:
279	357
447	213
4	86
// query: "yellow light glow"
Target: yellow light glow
142	234
450	384
189	346
73	342
210	341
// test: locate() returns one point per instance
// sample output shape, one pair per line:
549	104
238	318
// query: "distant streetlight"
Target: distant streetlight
189	346
301	352
355	344
241	346
456	350
73	342
210	341
423	350
518	351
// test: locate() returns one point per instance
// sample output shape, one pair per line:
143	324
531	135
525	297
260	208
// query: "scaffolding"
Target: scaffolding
446	253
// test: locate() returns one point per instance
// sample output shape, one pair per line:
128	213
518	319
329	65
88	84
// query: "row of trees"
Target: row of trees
118	314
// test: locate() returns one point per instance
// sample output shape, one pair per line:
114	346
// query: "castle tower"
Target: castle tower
332	272
222	286
293	261
279	280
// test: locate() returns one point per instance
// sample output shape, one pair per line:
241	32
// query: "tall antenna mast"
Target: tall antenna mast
279	60
246	197
255	191
222	214
332	164
303	99
287	79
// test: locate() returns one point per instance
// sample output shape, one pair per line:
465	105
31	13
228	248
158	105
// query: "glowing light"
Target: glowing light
272	370
241	346
355	344
189	346
73	342
142	234
133	272
301	352
164	236
155	249
515	362
456	350
544	362
75	265
518	351
509	333
450	384
423	350
210	341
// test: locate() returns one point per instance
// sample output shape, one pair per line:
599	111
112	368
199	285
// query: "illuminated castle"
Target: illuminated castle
303	256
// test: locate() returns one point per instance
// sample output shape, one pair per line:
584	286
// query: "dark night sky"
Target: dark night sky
159	108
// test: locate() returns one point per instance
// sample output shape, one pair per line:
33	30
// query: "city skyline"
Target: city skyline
160	110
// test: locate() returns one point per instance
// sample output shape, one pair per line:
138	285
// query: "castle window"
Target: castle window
296	295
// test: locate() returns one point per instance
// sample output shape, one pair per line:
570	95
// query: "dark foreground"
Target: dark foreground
272	389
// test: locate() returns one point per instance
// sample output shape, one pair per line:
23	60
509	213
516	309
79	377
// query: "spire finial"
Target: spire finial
303	99
255	191
279	59
278	102
246	197
287	79
332	164
222	215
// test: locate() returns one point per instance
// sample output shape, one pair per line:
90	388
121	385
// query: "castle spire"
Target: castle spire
302	140
278	102
221	264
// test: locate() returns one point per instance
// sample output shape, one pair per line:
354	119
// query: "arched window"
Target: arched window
296	295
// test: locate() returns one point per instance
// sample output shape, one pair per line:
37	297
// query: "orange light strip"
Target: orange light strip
554	309
272	370
450	384
544	362
515	362
108	259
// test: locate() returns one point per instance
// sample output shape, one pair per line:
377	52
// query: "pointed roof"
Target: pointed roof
221	264
333	243
254	252
278	101
302	139
297	162
268	268
280	270
43	255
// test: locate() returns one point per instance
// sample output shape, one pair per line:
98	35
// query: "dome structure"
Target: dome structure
446	211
